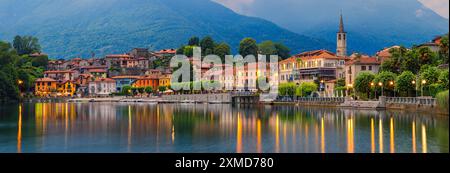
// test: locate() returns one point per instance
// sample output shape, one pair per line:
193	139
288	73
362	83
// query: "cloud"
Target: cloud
439	6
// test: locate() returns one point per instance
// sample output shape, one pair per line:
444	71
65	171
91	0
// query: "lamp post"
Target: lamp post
391	83
423	83
415	86
382	89
374	91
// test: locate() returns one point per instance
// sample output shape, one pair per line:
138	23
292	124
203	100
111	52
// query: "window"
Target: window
363	68
370	68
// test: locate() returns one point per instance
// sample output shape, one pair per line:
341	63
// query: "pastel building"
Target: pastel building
102	87
122	81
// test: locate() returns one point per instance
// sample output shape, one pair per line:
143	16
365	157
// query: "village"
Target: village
134	72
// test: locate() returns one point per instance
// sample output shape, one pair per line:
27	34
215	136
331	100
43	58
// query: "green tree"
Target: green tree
443	79
188	51
141	90
387	79
410	62
26	45
340	82
207	45
9	90
267	48
430	74
307	88
149	90
194	41
40	61
287	89
363	81
248	47
283	51
162	89
425	55
127	90
222	50
404	83
443	50
393	64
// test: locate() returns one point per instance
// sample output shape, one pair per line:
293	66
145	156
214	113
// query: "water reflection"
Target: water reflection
123	127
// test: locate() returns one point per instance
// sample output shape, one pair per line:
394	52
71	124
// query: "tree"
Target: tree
162	89
404	83
363	81
443	50
307	88
394	62
9	89
194	41
40	61
430	74
141	90
188	51
149	90
387	79
248	47
180	51
443	79
410	62
267	48
287	89
425	55
282	51
127	90
26	45
222	50
207	46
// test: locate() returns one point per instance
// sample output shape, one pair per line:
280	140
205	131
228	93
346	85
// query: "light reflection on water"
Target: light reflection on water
168	128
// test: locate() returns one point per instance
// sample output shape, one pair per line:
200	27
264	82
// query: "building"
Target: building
66	88
147	81
341	40
61	75
164	79
98	73
312	66
385	53
166	53
45	87
102	87
122	81
360	64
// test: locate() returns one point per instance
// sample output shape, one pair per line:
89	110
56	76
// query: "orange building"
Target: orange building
45	87
49	87
147	81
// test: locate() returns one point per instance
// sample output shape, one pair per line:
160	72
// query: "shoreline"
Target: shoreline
408	108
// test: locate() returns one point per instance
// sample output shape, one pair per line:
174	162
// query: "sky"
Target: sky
439	6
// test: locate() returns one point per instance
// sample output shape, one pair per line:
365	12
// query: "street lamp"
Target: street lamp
415	86
423	83
382	89
374	91
391	83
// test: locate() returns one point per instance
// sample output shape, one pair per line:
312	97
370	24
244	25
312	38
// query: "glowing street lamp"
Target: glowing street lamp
382	88
423	83
374	91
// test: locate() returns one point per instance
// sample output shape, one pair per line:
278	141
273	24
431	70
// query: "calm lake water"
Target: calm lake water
173	128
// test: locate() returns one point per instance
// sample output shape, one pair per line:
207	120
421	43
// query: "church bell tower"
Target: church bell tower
341	40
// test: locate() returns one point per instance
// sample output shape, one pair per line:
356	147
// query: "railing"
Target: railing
412	100
311	99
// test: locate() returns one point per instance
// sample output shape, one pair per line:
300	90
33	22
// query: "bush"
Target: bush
442	100
307	88
287	89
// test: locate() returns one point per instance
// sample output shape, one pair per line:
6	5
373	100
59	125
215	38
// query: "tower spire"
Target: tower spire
341	24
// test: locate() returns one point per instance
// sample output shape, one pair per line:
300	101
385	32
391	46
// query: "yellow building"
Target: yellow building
66	88
49	87
164	80
45	87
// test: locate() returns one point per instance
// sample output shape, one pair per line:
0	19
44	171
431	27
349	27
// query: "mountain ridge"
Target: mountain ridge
68	28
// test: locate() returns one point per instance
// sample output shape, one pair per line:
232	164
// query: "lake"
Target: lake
215	128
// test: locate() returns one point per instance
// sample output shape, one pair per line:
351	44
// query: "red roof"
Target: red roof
45	80
97	70
118	56
125	77
94	67
364	61
167	51
317	54
58	71
104	80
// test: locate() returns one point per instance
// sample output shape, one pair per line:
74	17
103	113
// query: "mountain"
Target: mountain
71	28
371	24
